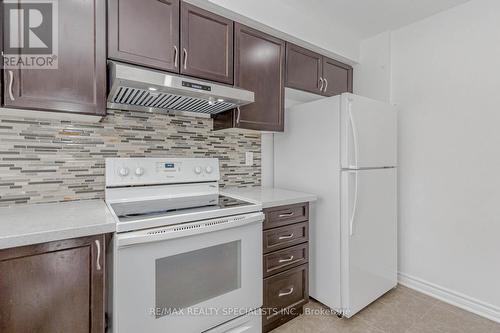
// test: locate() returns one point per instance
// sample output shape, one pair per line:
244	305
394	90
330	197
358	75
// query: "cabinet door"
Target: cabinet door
79	83
206	44
260	67
337	76
303	69
55	287
144	32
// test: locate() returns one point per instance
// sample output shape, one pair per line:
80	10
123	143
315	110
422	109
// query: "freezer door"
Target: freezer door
368	133
368	236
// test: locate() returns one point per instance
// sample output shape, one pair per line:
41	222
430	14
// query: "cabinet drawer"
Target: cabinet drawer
280	261
284	294
284	215
280	238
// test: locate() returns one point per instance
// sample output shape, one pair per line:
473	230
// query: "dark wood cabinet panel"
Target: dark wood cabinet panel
337	76
312	72
285	239
282	260
144	32
56	287
79	83
284	215
206	44
259	66
280	238
304	69
284	296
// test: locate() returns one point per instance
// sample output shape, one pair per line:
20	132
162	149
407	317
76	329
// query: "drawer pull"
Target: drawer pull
98	260
286	237
176	56
11	81
286	293
286	215
286	260
185	57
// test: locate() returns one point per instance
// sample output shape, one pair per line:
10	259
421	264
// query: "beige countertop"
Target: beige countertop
40	223
269	196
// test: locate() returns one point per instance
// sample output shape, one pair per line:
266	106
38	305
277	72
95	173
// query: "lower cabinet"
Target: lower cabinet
286	269
55	287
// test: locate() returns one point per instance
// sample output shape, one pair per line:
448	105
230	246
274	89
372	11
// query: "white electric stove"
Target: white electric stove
185	258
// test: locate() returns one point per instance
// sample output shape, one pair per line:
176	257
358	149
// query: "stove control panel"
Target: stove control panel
147	171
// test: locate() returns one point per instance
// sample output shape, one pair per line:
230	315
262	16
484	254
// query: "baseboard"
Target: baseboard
452	297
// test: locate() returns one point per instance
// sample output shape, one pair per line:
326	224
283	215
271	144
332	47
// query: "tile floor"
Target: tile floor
401	310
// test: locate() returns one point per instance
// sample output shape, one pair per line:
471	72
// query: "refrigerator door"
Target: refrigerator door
368	133
368	236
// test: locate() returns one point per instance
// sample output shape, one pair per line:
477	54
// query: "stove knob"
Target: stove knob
197	170
123	172
208	169
139	172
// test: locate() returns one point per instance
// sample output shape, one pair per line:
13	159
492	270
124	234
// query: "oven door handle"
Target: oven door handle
186	229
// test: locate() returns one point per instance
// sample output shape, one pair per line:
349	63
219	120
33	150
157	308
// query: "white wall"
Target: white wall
446	80
285	17
372	76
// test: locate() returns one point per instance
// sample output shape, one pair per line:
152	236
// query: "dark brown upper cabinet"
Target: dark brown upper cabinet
259	66
206	44
79	83
312	72
304	69
337	77
54	287
144	32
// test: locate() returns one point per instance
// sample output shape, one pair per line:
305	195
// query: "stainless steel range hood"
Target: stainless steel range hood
137	88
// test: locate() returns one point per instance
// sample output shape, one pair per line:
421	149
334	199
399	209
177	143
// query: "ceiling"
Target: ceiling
367	18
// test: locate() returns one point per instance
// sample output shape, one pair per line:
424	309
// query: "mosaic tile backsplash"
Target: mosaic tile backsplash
50	160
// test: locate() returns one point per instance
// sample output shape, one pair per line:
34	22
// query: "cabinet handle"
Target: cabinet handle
286	237
11	82
320	84
326	85
185	57
286	214
98	261
176	56
285	293
238	115
286	260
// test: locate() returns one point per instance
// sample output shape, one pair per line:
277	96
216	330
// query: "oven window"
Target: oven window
190	278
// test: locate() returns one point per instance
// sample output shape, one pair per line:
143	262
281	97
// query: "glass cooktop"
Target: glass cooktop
224	202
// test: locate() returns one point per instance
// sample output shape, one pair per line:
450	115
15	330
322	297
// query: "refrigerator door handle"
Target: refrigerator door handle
354	134
355	204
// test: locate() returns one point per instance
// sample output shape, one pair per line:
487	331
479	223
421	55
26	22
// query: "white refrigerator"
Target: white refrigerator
344	149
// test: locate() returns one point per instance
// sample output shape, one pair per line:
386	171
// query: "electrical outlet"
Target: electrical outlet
248	158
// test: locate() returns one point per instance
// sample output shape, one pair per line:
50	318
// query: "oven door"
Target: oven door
187	278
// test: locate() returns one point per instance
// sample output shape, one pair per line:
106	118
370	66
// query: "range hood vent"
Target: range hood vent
136	88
